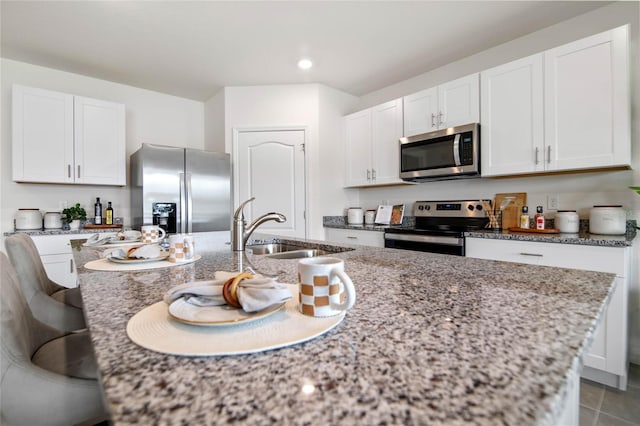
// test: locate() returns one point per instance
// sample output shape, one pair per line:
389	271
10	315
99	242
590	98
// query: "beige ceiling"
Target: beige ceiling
193	48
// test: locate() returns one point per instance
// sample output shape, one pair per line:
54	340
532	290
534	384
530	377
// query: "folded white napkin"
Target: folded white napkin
97	240
147	251
254	294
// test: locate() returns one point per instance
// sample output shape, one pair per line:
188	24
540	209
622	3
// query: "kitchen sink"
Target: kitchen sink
291	251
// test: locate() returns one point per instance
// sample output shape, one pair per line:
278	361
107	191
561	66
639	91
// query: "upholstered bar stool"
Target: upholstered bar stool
48	376
51	303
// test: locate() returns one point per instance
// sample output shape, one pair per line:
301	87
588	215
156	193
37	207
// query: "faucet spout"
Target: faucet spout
241	232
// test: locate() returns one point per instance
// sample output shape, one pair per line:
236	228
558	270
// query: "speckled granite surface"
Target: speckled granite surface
427	342
61	231
582	238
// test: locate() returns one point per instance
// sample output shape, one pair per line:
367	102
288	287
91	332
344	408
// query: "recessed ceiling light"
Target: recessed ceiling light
305	64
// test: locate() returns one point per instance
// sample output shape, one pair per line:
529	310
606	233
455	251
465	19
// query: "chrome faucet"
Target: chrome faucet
241	233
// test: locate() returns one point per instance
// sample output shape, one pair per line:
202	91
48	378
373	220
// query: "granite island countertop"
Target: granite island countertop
427	342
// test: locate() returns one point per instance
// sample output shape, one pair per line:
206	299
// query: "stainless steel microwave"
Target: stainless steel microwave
444	154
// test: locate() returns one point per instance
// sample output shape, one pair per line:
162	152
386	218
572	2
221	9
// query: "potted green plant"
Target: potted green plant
73	215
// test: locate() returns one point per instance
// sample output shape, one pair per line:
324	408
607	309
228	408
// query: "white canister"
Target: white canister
369	217
52	220
27	219
355	216
567	221
608	220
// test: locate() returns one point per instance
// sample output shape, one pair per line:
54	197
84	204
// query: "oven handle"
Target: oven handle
433	239
456	149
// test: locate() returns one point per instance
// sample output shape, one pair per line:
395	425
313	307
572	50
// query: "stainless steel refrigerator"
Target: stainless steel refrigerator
183	190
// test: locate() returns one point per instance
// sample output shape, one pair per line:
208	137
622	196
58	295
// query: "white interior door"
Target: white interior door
270	166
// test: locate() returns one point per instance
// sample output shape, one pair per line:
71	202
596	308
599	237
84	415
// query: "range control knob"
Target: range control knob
420	207
470	207
479	207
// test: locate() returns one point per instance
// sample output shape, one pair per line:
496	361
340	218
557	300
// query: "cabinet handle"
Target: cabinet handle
440	118
537	153
548	154
68	170
352	238
71	266
78	171
531	254
433	120
373	174
368	174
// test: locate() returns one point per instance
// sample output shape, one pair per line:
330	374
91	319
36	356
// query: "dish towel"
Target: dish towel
253	294
96	240
147	251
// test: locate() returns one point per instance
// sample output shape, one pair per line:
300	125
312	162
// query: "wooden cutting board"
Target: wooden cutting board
511	213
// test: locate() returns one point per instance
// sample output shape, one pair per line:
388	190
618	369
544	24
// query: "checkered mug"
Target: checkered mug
325	289
181	248
152	234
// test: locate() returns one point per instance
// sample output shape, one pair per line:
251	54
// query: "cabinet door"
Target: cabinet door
587	104
386	125
99	142
420	112
42	135
357	138
459	102
61	269
512	128
354	236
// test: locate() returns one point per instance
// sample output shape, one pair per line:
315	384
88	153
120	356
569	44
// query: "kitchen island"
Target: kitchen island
432	339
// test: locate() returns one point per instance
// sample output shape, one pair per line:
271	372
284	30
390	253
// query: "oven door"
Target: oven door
448	152
427	243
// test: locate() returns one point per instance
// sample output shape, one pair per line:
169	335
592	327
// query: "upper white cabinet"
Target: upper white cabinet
372	145
567	108
512	128
61	138
450	104
587	103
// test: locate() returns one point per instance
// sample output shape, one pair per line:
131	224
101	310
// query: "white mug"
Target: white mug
181	248
152	234
325	289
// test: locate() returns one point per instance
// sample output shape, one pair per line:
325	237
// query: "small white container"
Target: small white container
567	221
28	219
608	220
355	216
369	217
52	220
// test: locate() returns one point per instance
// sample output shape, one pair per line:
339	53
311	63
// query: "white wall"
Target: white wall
317	108
152	117
214	139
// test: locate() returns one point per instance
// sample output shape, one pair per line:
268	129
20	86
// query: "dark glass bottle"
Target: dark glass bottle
97	210
109	215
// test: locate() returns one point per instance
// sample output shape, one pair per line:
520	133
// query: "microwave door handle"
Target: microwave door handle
456	150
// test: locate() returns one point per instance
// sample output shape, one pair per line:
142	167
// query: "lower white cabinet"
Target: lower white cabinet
607	360
57	258
355	236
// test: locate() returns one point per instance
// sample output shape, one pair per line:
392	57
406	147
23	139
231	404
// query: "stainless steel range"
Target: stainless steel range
439	227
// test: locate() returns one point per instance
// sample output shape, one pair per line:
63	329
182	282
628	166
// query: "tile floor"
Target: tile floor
604	406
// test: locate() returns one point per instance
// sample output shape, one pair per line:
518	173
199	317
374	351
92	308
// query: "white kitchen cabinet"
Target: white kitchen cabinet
450	104
512	128
607	360
57	258
587	103
564	109
62	138
355	236
372	145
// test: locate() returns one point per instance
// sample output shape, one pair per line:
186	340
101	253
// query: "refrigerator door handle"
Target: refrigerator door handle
183	205
189	203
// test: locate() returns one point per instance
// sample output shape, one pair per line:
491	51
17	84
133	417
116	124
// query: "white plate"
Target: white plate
162	256
222	315
154	329
125	241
